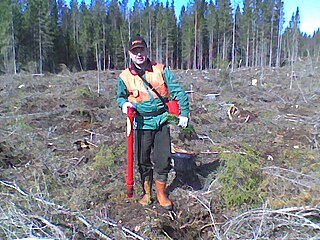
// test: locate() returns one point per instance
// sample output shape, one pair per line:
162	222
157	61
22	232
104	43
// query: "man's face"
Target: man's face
139	55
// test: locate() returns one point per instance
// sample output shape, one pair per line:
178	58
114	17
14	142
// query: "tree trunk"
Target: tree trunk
257	49
200	52
247	48
262	49
177	49
104	48
157	46
150	34
124	49
271	41
279	42
98	68
218	48
40	50
224	45
233	43
253	44
167	48
211	50
195	41
160	48
13	47
97	57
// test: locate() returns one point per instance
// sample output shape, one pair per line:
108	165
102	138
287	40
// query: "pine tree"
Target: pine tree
175	34
86	37
137	24
116	42
292	37
201	35
125	30
272	31
54	26
187	36
212	26
63	40
235	39
41	39
225	28
148	19
100	34
7	38
169	33
279	22
75	26
159	31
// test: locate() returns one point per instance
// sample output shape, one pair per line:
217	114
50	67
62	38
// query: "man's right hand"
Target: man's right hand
125	107
183	122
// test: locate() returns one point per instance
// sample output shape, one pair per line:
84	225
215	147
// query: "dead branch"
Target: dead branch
90	226
210	186
207	207
294	216
290	180
39	114
66	211
292	176
291	171
205	137
303	96
60	234
92	144
167	235
127	231
79	160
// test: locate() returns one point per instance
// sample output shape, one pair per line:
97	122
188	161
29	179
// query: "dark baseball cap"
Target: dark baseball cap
137	41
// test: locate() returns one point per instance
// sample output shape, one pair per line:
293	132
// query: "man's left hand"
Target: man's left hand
183	121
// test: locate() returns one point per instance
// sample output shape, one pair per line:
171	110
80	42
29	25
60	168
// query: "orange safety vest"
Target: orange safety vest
137	89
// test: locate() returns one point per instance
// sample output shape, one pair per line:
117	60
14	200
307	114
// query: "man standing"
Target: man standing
140	86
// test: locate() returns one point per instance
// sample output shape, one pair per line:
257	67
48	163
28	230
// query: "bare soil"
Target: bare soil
52	179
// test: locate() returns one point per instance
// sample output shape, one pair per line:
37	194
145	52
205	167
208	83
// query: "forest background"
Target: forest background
38	36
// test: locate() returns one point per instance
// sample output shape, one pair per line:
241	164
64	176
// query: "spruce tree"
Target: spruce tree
212	26
100	34
40	43
74	34
86	35
225	28
187	36
7	46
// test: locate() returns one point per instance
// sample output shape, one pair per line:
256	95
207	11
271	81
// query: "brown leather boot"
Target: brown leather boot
162	197
147	198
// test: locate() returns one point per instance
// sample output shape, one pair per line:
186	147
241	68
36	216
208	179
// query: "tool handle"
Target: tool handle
130	173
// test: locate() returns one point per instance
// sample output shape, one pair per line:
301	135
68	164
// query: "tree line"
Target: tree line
39	35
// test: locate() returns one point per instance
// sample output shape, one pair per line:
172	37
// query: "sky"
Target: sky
309	12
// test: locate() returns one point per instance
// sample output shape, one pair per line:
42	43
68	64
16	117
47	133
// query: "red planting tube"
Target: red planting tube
130	135
174	107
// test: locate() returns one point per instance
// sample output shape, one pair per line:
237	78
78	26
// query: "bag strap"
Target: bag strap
156	92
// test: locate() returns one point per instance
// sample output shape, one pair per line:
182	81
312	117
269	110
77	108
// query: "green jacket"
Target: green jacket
155	104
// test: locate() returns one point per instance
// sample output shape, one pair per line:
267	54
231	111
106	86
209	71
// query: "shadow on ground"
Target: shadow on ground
189	175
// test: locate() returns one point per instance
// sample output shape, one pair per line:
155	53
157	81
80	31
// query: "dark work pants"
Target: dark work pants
155	143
